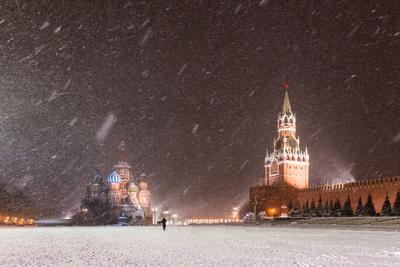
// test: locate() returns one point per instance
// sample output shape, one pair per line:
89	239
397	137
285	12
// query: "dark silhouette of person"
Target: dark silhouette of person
164	223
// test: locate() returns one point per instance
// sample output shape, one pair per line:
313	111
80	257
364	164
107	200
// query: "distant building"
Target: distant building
286	178
119	190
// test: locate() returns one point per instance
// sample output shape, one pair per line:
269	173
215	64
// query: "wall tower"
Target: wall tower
287	165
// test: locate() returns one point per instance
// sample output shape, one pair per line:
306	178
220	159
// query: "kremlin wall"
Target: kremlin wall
286	177
270	198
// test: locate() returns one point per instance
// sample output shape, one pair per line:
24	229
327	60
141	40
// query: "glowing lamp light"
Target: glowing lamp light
272	211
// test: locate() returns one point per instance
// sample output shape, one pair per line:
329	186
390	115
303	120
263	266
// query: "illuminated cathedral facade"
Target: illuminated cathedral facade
129	198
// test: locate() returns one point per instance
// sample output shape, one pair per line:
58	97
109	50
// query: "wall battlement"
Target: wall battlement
270	197
354	185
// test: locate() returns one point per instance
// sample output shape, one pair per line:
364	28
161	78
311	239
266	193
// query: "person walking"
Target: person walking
164	223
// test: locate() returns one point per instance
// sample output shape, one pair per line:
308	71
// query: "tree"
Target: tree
396	205
320	208
347	210
337	208
307	211
15	203
360	208
369	209
386	207
296	212
313	209
290	206
94	212
326	212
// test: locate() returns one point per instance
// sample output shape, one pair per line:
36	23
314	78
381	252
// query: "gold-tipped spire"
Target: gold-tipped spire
286	109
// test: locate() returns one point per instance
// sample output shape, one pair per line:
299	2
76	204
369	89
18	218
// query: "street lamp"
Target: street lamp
255	207
154	210
174	216
235	213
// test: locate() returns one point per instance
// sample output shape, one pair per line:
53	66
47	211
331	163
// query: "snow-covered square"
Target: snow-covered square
197	246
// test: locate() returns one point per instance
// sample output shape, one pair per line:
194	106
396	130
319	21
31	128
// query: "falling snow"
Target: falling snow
195	128
196	88
58	29
105	128
45	25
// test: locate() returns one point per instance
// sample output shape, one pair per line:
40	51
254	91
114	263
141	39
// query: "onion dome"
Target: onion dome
114	178
96	179
143	181
132	187
142	177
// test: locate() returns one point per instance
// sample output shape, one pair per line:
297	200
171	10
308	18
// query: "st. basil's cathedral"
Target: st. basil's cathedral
129	202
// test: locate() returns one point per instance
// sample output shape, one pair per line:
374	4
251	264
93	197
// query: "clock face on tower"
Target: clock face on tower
292	142
279	144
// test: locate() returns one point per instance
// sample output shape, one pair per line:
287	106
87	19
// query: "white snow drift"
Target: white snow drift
197	245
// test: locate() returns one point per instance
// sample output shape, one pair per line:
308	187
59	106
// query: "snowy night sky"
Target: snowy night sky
197	86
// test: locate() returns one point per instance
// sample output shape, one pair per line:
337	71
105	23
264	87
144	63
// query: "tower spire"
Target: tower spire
123	153
286	109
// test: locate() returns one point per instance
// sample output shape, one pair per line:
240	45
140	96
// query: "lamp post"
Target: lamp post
235	213
174	216
154	210
255	207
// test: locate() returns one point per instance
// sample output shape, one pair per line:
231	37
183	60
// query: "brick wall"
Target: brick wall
378	188
271	197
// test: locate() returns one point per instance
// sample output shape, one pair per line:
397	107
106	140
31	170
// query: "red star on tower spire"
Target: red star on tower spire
285	85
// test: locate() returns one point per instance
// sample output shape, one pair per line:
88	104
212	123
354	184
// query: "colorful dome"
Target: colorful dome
96	179
142	178
114	178
132	187
143	184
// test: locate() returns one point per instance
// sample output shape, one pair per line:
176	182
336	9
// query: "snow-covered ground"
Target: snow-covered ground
197	245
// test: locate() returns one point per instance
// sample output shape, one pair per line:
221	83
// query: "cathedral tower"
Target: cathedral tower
123	169
144	194
287	164
145	197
